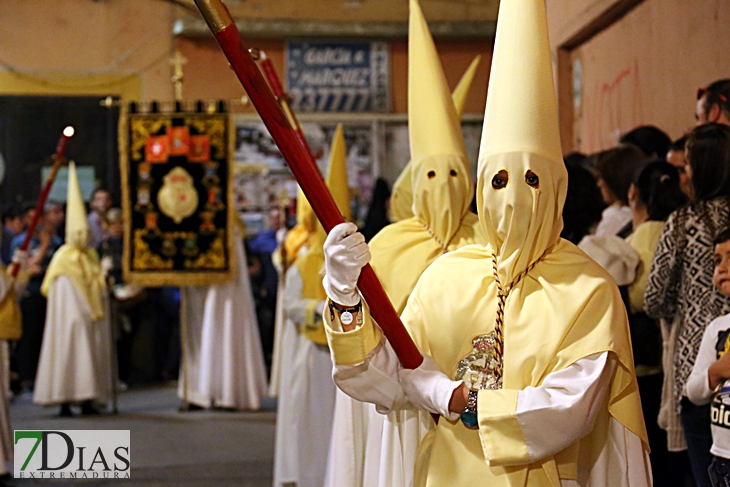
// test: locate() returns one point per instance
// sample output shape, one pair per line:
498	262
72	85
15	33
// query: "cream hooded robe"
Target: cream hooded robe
568	411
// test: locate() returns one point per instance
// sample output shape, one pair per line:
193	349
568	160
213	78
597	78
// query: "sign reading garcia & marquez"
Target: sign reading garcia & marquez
72	454
347	76
177	194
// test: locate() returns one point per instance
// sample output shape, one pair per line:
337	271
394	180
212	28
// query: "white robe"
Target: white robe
233	373
225	361
546	414
75	362
190	364
370	449
280	322
306	402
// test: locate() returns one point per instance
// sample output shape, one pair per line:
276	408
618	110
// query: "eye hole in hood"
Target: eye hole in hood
500	180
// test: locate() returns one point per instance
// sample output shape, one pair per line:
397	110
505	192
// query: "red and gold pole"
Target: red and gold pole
68	132
303	167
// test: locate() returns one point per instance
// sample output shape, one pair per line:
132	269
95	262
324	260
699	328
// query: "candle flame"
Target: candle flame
68	131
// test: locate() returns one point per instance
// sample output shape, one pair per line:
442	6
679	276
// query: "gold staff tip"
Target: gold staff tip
215	13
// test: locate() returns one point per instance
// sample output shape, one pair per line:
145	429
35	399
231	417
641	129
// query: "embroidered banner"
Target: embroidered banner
177	195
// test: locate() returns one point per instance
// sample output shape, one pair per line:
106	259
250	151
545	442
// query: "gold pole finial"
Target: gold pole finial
215	13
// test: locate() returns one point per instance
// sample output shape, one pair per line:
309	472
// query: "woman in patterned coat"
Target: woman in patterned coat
680	285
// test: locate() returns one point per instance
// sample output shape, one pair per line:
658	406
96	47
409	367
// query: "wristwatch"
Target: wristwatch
345	312
469	416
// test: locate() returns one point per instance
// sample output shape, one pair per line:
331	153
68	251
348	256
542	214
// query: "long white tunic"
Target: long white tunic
307	398
286	459
232	373
225	362
75	361
190	366
548	414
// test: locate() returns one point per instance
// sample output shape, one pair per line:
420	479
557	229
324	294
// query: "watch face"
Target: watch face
469	419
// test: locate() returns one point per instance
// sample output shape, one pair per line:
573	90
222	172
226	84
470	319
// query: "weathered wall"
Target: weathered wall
85	47
645	68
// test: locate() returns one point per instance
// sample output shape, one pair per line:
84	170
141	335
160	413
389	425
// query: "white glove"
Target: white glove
428	388
20	257
345	253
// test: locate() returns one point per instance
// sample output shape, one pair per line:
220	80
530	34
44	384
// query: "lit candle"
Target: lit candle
68	132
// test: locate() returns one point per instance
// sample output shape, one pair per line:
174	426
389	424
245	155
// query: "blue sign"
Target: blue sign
338	76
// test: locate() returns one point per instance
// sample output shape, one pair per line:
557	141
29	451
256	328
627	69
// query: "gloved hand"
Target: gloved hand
20	257
345	253
428	388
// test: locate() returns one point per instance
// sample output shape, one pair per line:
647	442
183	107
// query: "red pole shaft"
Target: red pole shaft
304	169
57	161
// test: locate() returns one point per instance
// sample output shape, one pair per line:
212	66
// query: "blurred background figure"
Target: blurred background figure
377	216
680	288
653	142
675	157
100	203
266	280
614	169
126	301
43	245
583	202
13	225
655	193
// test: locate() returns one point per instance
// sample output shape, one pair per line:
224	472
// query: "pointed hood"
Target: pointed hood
75	259
337	183
337	174
442	188
522	180
461	92
77	227
305	214
401	200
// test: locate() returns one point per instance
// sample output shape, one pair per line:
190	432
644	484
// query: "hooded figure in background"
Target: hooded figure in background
527	357
296	242
76	360
307	398
401	199
382	449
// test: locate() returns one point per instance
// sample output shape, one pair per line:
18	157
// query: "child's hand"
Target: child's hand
719	371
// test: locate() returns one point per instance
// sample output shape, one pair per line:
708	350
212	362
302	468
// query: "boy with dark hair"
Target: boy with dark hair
710	378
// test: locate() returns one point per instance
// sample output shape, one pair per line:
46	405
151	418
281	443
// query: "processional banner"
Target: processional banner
177	191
